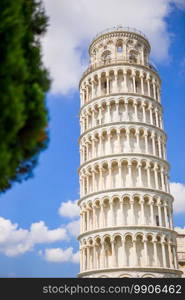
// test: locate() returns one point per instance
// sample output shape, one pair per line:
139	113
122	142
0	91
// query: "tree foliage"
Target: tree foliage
23	84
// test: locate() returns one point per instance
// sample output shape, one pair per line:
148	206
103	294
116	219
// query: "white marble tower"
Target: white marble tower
125	204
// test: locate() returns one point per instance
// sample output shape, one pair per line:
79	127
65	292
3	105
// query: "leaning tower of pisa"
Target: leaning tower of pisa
126	213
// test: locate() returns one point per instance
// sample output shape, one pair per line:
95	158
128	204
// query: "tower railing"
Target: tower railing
99	64
120	28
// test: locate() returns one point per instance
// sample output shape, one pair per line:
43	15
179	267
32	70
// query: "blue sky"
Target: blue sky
23	249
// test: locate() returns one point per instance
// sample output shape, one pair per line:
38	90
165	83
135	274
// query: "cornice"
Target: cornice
133	228
131	189
128	94
123	155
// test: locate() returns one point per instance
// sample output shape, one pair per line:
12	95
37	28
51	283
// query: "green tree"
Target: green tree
24	82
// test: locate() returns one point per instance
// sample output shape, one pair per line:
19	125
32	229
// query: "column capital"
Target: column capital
145	240
112	240
153	134
155	166
139	165
159	201
131	201
141	201
151	202
141	74
148	76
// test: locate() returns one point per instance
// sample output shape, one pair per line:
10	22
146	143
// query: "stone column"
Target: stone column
146	142
156	177
120	175
159	146
94	217
108	91
94	257
144	112
164	150
135	259
139	174
170	217
153	144
132	211
158	94
88	257
145	252
109	142
87	92
142	84
162	179
128	140
101	215
135	111
126	109
134	81
93	147
113	254
166	215
124	253
116	82
83	259
117	109
93	89
102	256
163	254
151	115
156	117
170	255
112	212
100	145
159	212
122	211
142	212
153	86
155	253
100	114
99	86
101	179
119	140
88	218
152	221
125	80
87	178
148	84
148	175
174	257
109	112
93	180
130	173
137	140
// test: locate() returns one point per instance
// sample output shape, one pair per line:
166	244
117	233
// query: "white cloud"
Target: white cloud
69	209
73	24
178	191
74	228
59	255
15	241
